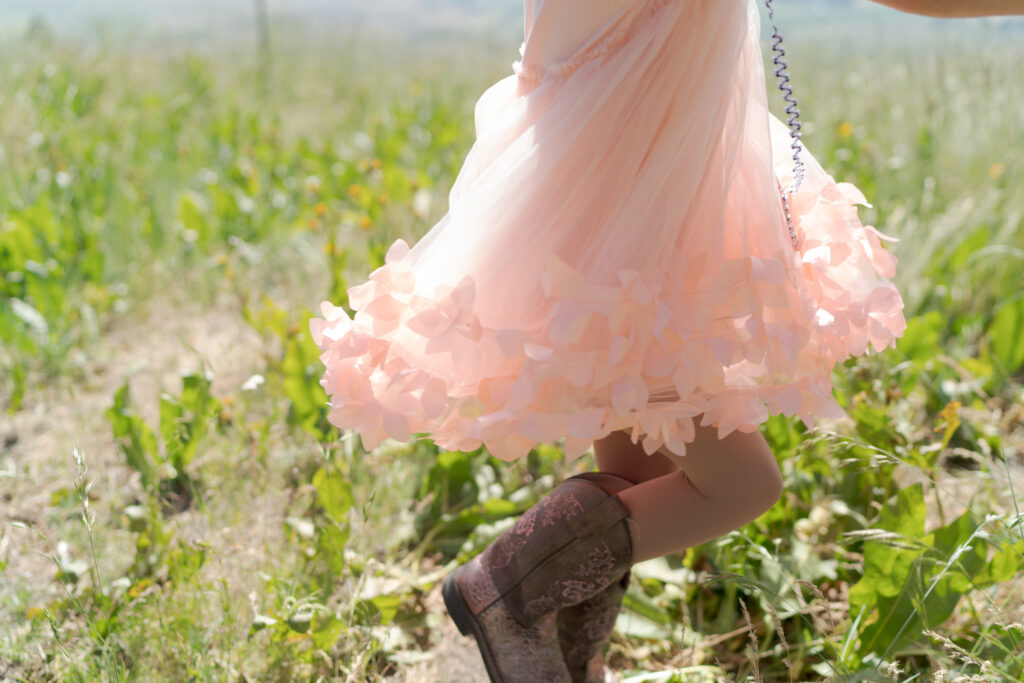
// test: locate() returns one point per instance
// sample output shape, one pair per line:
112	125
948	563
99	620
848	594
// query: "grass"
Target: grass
167	229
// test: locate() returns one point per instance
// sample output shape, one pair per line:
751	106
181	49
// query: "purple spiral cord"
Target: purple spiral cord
793	118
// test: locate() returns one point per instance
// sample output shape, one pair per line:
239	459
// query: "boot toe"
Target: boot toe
512	653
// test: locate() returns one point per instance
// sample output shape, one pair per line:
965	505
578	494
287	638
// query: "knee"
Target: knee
755	483
748	481
764	481
773	486
617	454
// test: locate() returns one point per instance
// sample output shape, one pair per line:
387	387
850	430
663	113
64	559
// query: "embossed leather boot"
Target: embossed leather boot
564	550
584	629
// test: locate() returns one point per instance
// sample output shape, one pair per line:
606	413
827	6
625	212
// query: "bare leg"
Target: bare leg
718	486
616	454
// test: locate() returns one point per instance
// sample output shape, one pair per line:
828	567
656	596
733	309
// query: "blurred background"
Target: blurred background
181	184
194	24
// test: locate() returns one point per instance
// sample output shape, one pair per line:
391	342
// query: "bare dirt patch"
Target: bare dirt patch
151	348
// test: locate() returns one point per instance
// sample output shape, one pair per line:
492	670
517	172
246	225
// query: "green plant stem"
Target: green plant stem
938	500
1013	493
83	486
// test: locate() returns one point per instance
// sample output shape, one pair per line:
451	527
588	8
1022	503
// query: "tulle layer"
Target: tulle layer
615	257
726	344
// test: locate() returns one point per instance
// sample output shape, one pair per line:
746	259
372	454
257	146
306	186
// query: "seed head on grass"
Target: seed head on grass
959	654
826	606
752	636
782	637
83	486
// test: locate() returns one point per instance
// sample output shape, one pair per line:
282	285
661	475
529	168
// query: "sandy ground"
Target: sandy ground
456	658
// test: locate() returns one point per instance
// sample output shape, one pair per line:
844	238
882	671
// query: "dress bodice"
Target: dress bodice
555	30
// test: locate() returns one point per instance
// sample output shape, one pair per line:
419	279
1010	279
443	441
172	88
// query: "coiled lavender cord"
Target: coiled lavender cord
792	120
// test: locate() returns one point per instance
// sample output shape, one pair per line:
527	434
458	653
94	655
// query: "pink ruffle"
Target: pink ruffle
617	357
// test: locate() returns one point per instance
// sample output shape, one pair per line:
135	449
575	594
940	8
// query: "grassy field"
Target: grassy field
174	506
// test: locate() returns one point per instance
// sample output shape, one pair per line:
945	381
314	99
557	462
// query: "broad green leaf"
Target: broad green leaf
135	438
1006	562
331	539
456	465
1006	335
907	590
896	617
887	565
641	618
327	631
497	508
905	515
921	338
301	369
333	493
954	545
195	394
387	606
379	611
171	429
636	602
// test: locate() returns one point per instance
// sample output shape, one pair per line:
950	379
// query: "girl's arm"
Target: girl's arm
957	8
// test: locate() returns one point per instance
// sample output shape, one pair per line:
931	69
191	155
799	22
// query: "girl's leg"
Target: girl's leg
548	574
616	454
718	486
584	628
674	503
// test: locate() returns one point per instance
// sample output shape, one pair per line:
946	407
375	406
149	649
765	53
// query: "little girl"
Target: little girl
622	265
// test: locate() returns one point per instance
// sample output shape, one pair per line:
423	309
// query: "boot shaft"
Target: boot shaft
568	547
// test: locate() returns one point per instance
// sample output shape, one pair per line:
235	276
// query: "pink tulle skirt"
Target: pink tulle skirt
615	255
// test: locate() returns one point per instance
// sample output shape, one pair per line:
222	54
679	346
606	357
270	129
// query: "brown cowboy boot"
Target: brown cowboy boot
584	629
567	548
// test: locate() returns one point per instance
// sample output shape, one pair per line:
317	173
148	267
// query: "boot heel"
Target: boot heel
459	611
456	606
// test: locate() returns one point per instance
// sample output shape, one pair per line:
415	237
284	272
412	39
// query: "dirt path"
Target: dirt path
152	348
455	658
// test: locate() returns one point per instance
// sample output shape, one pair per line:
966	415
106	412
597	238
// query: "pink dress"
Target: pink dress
615	255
